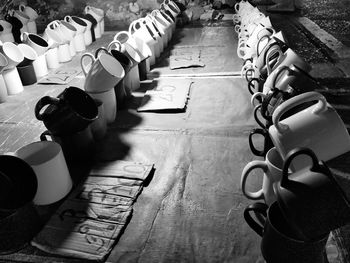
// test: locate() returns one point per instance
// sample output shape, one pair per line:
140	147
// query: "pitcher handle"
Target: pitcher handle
251	86
83	67
53	24
289	158
258	44
259	208
321	106
46	100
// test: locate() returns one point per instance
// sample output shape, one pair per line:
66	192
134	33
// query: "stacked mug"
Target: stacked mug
113	72
299	131
70	121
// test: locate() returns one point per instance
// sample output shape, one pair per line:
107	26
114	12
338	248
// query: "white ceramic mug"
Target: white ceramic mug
103	74
29	54
13	81
52	59
272	167
98	14
40	66
12	53
318	127
109	101
21	16
33	15
48	162
87	33
3	90
38	43
80	25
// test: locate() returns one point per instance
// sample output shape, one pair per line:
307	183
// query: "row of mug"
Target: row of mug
25	63
302	200
111	73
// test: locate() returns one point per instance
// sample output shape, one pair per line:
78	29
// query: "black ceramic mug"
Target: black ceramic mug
310	199
77	146
72	111
27	74
279	244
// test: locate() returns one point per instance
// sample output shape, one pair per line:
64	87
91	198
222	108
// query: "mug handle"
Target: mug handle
68	19
269	29
257	96
260	209
321	106
258	44
269	54
53	25
289	158
116	43
99	50
46	100
255	112
255	151
279	71
121	33
251	86
43	136
21	7
83	67
24	36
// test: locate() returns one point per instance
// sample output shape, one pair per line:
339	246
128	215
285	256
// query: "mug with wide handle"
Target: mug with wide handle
38	43
318	127
310	199
103	74
272	172
279	241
